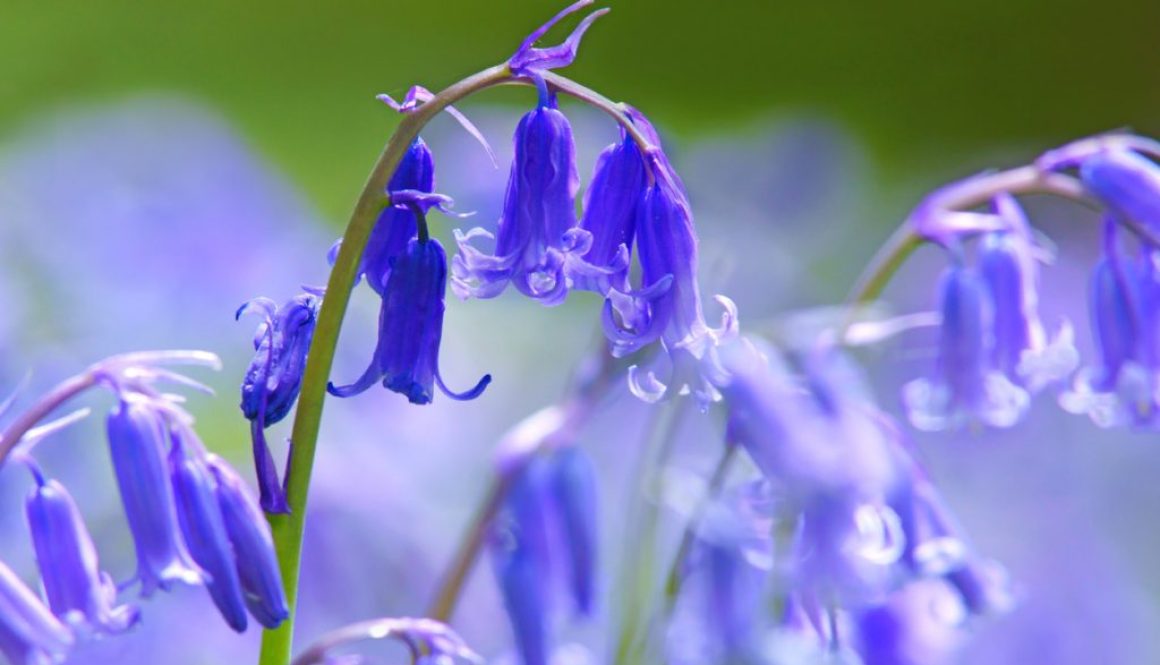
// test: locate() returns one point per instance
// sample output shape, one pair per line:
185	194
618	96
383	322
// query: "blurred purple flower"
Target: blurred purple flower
204	528
29	633
1121	389
253	546
964	387
78	591
1008	266
137	439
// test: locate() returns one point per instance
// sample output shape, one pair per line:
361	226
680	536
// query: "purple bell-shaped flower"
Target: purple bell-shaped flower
274	379
78	591
406	358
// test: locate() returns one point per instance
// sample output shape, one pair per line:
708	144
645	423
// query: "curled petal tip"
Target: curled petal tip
529	57
466	395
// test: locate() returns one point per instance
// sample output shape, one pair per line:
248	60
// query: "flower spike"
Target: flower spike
527	57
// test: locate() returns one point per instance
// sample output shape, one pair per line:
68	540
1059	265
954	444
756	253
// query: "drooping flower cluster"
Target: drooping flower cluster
191	518
993	350
635	197
1122	387
845	529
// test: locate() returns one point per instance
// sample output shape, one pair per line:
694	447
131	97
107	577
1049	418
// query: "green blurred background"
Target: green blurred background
913	80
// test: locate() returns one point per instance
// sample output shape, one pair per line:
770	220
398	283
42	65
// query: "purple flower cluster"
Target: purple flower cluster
192	521
994	351
847	528
636	198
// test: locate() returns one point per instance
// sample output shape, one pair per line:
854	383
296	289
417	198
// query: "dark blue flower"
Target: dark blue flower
274	379
253	546
965	386
204	528
138	435
397	225
78	591
406	358
1008	265
29	633
922	623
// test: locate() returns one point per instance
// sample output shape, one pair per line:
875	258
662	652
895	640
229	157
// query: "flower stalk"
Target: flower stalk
288	528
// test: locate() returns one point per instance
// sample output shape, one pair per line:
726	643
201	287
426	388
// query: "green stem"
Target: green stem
288	529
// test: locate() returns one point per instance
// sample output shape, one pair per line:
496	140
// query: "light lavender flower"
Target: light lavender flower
29	633
78	591
965	387
137	439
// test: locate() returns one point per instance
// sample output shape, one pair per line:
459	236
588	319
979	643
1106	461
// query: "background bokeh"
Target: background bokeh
162	162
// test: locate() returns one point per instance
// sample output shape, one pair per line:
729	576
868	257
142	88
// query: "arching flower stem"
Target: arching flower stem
961	197
288	528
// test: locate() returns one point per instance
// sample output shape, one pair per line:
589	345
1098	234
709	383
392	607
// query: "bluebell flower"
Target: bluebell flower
938	547
397	225
253	546
1121	388
717	617
77	590
406	357
521	556
274	379
204	528
1008	265
668	303
833	456
965	386
1127	182
609	217
138	436
537	235
573	486
29	633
